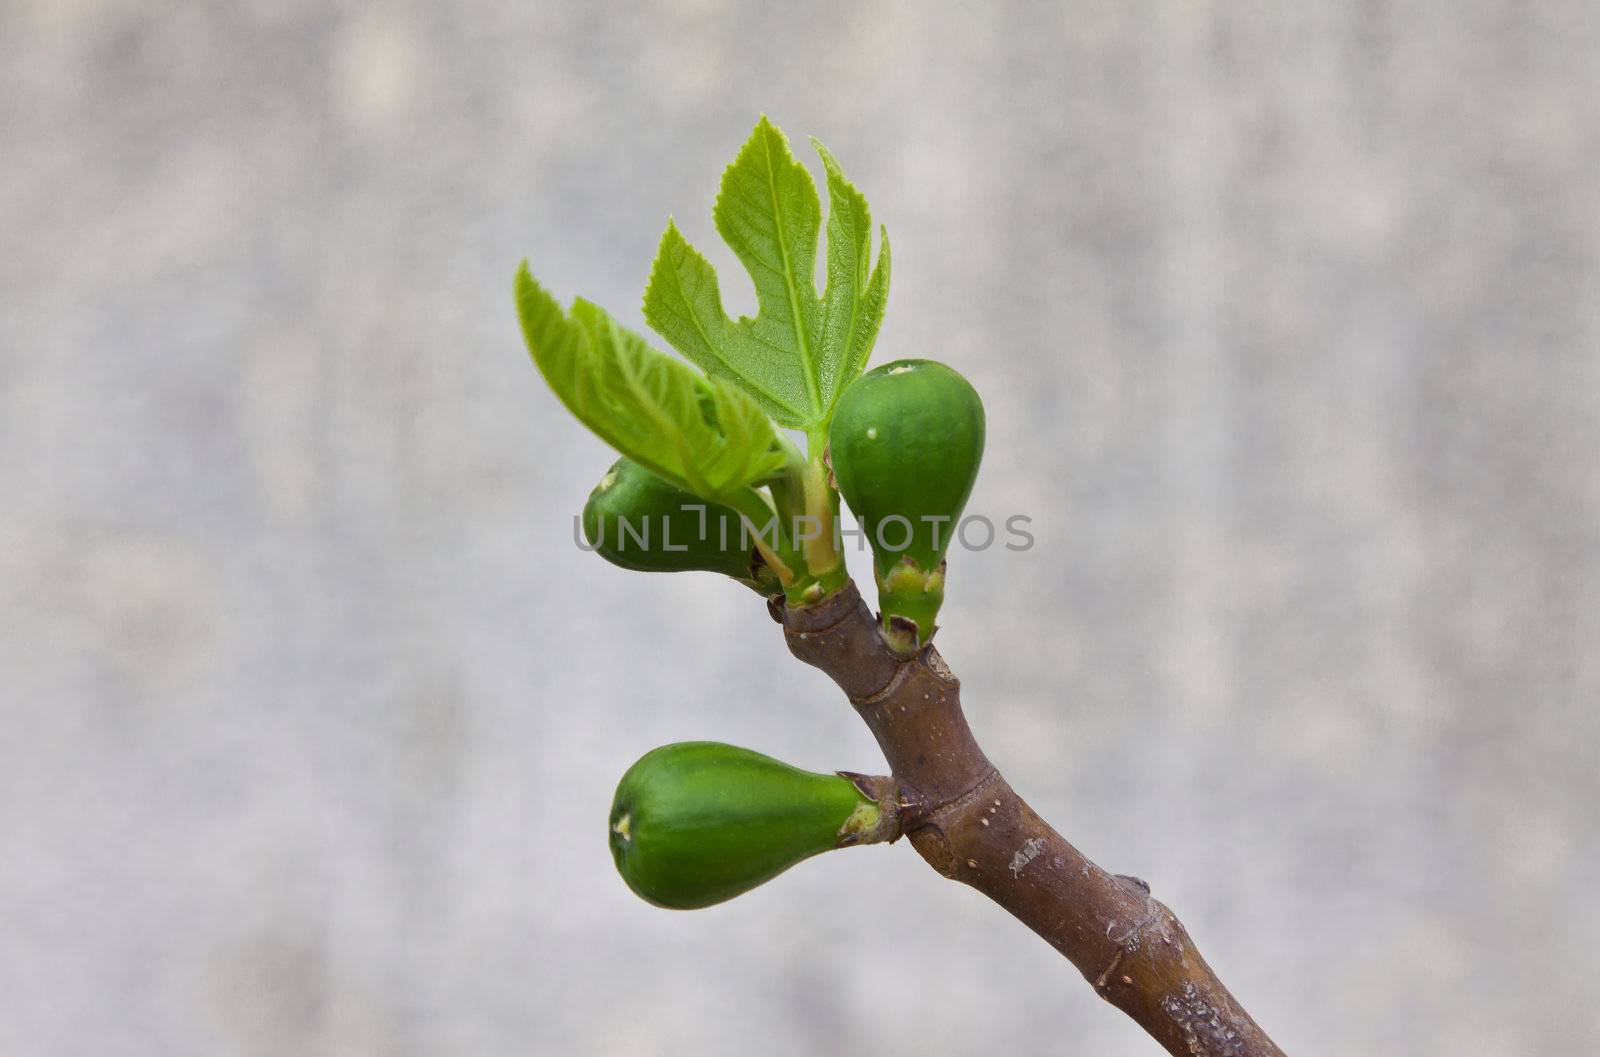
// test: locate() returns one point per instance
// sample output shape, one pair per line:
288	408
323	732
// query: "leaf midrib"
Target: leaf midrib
645	401
804	339
862	260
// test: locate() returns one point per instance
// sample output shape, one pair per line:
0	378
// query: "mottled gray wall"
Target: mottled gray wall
1287	317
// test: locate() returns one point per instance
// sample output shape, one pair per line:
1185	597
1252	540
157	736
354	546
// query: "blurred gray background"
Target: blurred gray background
1287	317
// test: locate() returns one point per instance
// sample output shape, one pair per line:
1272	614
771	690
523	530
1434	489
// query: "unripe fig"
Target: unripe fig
638	521
699	822
905	445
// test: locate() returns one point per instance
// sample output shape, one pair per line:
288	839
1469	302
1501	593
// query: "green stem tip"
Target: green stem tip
910	599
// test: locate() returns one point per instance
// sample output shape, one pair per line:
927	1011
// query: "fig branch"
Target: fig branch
972	827
709	482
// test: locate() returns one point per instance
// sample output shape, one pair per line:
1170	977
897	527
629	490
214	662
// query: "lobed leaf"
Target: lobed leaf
701	434
800	350
854	300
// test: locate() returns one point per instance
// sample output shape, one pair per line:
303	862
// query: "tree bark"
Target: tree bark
970	826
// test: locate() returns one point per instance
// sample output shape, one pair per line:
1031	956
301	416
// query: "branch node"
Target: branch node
1132	939
938	812
901	673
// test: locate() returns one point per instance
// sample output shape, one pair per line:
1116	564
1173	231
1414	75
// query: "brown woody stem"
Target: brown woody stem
968	823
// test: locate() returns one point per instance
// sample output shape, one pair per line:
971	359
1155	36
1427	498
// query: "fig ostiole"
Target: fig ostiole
698	822
905	445
636	520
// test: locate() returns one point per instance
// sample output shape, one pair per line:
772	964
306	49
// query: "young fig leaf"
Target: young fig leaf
800	350
700	434
636	520
699	822
906	441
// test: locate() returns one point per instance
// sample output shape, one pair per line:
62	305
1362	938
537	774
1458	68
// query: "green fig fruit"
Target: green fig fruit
699	822
638	521
905	444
